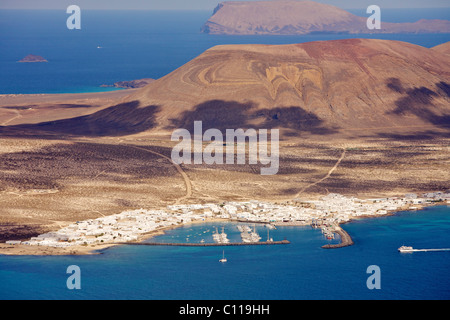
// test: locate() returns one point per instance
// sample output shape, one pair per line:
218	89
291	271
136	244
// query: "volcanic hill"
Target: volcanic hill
321	87
443	48
350	87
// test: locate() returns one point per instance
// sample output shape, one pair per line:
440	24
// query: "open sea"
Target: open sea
148	44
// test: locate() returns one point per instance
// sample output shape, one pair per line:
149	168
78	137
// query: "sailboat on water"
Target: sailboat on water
223	257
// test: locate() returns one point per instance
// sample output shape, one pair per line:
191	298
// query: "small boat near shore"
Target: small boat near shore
223	260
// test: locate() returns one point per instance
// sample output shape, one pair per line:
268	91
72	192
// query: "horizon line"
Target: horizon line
196	9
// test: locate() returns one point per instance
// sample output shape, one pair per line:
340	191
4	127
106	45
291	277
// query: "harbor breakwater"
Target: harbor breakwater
346	240
262	243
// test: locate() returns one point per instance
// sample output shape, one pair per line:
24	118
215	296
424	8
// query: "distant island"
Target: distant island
33	58
288	17
130	84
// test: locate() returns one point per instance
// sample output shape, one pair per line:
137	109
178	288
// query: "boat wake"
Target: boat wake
406	249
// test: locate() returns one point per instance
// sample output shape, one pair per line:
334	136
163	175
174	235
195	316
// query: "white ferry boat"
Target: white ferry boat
405	249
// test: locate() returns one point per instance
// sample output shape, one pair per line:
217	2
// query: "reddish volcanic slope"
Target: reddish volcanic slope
443	48
321	87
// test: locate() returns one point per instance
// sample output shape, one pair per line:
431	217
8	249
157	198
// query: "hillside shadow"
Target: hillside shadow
216	114
15	231
294	118
55	166
348	186
119	120
419	101
222	115
418	136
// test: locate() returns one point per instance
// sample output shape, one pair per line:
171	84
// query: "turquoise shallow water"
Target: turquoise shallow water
300	270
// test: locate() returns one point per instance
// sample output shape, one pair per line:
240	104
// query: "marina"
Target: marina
220	237
248	235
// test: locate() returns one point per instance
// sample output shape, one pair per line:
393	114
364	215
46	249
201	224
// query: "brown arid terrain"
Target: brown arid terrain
364	118
443	48
289	17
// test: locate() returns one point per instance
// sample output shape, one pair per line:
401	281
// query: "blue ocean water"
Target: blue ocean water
134	45
300	270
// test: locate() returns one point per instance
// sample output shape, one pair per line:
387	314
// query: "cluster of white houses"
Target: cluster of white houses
131	225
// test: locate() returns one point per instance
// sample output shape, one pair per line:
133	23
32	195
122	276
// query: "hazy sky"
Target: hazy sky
200	4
